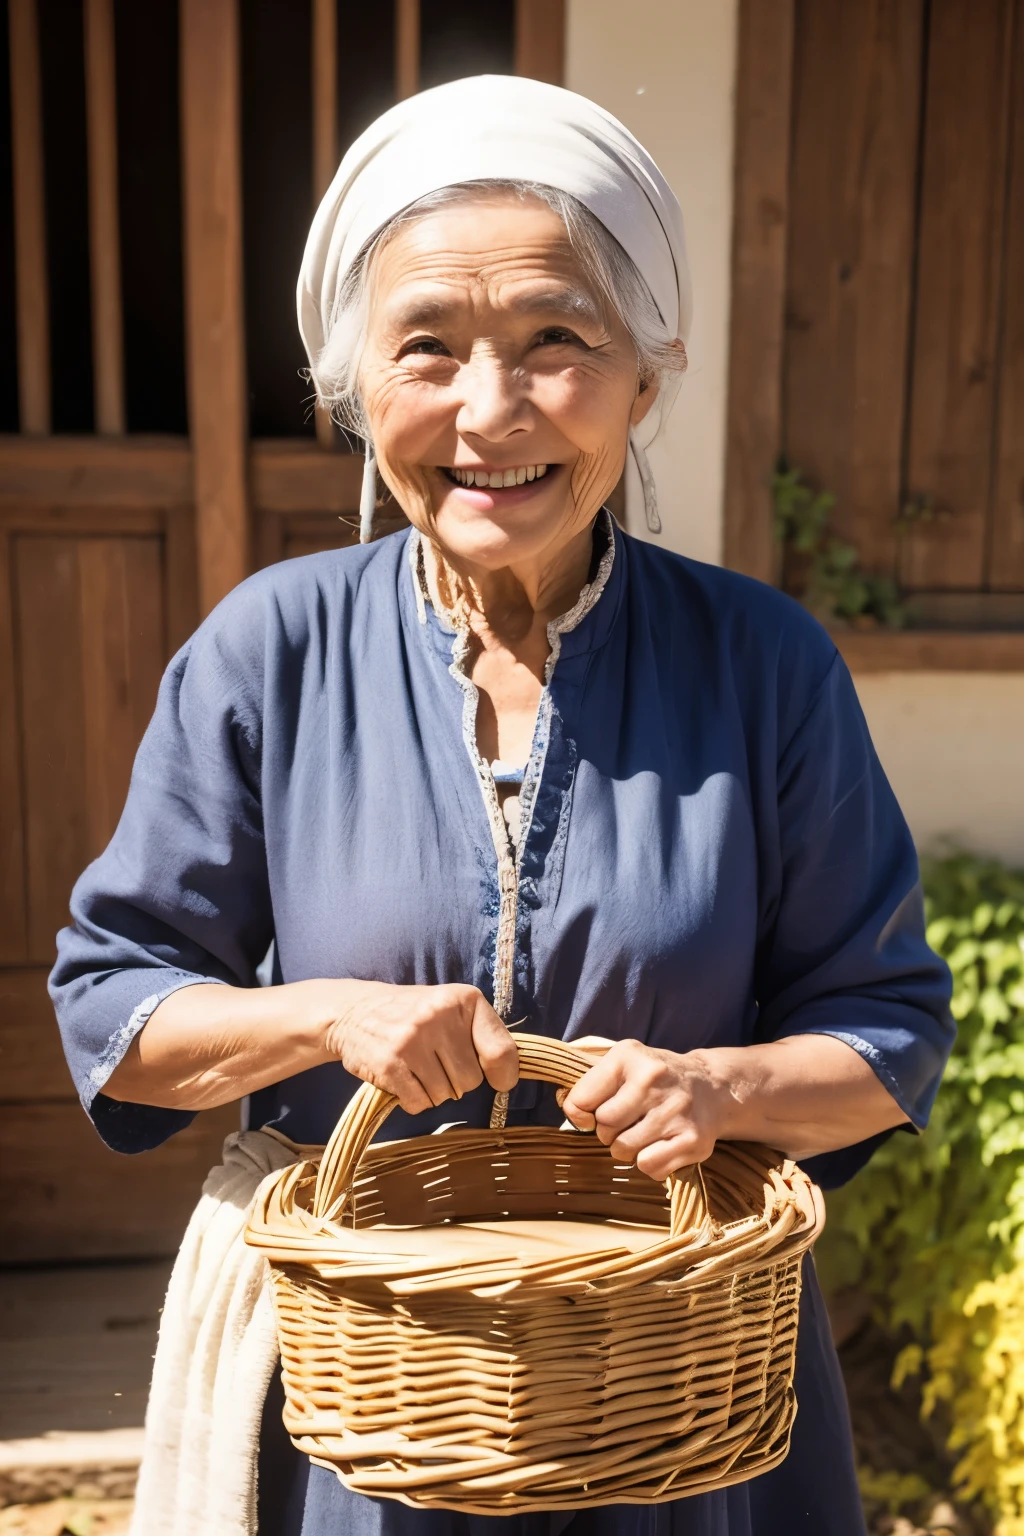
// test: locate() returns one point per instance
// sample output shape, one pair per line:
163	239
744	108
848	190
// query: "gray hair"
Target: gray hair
661	359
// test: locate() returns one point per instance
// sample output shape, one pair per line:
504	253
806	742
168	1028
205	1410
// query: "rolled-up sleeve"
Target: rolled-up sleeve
844	950
181	894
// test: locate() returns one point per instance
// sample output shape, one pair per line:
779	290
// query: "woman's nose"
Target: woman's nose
494	401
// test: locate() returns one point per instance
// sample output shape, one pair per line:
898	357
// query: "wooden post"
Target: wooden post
211	132
757	326
540	39
325	136
33	305
104	227
407	48
325	95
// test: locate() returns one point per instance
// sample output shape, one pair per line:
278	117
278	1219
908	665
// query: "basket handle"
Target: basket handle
540	1059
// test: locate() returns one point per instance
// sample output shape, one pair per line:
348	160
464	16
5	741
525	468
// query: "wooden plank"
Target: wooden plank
407	48
287	536
122	655
957	305
87	471
13	931
540	40
325	138
1005	568
968	610
936	650
104	224
314	535
268	538
210	89
325	95
289	475
32	296
857	94
90	647
82	520
66	1196
53	740
32	1064
761	197
181	588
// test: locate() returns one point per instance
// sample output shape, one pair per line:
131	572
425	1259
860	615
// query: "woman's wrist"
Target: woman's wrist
728	1090
317	1012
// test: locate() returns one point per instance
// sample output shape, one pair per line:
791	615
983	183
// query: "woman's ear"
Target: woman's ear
647	393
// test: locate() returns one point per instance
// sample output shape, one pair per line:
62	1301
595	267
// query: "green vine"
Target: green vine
822	570
932	1231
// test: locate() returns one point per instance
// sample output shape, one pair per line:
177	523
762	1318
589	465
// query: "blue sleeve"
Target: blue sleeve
844	950
181	894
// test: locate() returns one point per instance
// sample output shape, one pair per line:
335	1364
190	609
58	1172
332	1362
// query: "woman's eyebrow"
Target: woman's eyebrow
573	303
570	303
421	311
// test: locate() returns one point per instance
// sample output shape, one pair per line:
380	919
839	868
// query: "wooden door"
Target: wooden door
143	292
878	301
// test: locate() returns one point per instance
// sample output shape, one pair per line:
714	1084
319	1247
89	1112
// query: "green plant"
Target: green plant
826	571
933	1228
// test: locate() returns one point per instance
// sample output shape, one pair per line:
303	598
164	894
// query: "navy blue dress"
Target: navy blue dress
709	855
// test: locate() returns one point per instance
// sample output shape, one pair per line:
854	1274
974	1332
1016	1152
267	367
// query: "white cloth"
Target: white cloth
504	128
214	1360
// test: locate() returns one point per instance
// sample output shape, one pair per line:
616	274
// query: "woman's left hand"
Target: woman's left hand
664	1110
657	1109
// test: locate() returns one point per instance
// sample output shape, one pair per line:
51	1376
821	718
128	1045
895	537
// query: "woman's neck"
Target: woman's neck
505	606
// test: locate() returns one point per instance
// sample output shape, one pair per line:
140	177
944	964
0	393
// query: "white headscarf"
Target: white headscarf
496	127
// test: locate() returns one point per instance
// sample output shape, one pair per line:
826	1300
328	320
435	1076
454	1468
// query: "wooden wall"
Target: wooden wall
113	544
878	316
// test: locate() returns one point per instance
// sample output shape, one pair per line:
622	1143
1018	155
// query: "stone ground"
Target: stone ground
76	1346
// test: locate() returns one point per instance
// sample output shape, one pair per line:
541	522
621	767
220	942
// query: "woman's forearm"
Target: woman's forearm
804	1094
208	1044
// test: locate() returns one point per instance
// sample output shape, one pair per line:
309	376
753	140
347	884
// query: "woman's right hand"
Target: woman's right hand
423	1044
208	1044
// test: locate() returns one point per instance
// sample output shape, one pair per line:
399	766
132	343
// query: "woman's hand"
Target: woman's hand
663	1110
423	1044
208	1044
657	1109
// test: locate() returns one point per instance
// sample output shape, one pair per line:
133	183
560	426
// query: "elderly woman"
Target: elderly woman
512	765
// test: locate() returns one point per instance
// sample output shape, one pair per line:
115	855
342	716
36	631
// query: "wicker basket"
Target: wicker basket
505	1321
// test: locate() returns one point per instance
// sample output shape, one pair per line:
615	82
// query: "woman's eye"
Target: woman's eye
558	335
426	346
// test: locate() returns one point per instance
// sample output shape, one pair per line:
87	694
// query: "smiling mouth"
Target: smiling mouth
496	479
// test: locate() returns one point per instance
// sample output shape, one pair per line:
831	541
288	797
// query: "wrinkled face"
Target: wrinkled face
498	388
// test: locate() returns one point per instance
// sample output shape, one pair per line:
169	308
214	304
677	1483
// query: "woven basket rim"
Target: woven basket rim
282	1225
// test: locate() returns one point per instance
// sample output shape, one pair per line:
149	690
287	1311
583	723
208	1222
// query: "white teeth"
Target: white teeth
497	479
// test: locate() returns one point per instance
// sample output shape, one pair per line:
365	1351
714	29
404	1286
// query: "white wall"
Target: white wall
952	743
666	69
